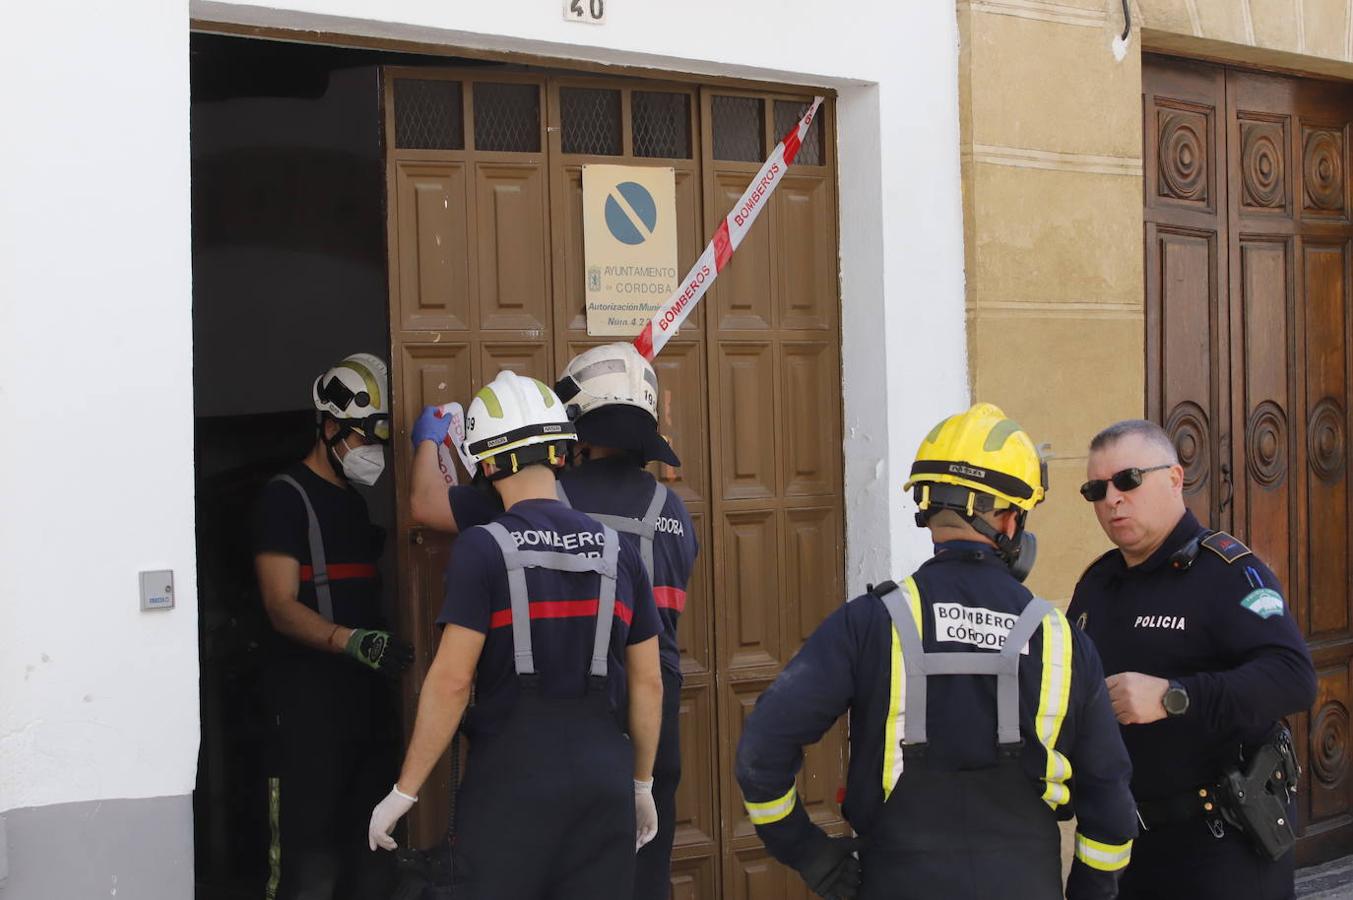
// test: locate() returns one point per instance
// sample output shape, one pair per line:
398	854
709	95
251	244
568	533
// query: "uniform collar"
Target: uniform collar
974	551
1184	530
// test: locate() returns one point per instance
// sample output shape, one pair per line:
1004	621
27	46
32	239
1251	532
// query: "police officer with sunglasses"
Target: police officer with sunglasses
1203	660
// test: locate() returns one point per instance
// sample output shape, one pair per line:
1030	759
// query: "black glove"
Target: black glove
832	871
379	650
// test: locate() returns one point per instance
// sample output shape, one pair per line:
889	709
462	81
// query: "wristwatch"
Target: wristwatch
1175	700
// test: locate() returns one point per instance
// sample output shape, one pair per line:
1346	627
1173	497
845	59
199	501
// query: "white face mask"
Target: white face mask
364	464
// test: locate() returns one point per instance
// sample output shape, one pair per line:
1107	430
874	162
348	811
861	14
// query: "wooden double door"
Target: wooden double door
1249	255
484	170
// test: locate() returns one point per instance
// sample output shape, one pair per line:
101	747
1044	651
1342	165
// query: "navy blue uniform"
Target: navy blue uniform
333	737
1220	627
966	601
616	486
547	806
563	609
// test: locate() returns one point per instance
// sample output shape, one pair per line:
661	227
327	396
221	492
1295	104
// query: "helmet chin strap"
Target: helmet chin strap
1017	552
331	445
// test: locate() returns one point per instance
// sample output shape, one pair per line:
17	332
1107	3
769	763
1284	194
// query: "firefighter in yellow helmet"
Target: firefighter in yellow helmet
972	704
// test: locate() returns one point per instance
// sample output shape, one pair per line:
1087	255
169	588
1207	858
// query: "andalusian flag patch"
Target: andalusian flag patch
1264	602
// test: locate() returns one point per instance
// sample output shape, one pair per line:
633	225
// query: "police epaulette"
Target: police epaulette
1097	560
1225	546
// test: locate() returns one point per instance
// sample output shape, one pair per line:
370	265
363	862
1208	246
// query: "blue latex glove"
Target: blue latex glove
431	426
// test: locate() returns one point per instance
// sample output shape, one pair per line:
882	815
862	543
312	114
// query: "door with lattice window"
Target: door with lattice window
487	271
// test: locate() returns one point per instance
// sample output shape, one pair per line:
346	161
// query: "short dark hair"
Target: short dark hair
1149	431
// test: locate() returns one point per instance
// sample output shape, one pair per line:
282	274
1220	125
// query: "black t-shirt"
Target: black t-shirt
616	486
563	608
352	545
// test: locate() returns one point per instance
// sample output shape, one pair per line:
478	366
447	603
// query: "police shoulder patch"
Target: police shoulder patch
1264	603
1225	546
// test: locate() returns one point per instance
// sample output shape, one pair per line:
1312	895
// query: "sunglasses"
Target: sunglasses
1125	480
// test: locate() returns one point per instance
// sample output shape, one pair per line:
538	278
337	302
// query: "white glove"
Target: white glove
645	814
384	817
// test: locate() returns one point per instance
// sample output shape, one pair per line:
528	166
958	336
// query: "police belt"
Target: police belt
1253	798
1182	807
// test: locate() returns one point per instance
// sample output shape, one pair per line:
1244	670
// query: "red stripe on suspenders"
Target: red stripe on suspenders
560	609
670	598
340	571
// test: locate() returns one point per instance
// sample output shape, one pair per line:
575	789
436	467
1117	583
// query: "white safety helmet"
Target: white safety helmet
612	374
356	392
612	397
515	421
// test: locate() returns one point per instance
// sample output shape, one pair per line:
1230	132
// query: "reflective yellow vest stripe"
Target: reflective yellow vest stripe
772	810
1104	857
897	690
1054	694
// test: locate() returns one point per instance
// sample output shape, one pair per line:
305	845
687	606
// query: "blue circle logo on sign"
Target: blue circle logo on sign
629	206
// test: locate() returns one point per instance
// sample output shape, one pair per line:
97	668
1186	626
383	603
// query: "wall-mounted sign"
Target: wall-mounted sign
589	12
629	245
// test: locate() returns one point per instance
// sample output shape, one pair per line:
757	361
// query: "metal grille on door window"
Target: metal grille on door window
739	128
787	115
507	117
662	124
429	115
591	121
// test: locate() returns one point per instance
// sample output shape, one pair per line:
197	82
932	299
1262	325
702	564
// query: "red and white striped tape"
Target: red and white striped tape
727	237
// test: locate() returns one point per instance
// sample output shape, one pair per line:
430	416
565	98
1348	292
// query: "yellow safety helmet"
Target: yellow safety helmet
985	453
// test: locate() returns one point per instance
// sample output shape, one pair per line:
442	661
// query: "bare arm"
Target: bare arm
442	702
645	712
428	503
279	578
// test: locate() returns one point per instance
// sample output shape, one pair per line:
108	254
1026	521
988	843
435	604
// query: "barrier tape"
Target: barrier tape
453	443
669	316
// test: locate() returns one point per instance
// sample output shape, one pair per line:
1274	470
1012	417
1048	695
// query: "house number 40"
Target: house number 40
590	12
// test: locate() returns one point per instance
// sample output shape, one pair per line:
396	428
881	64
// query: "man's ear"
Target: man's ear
329	428
1177	478
1009	521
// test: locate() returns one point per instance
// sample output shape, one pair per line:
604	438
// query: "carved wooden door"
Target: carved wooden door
1249	250
486	272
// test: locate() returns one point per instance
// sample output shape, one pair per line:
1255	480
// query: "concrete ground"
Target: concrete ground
1330	881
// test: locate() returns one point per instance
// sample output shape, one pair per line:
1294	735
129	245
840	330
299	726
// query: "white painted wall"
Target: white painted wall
895	65
97	699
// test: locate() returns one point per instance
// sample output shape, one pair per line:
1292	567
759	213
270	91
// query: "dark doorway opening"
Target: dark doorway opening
289	276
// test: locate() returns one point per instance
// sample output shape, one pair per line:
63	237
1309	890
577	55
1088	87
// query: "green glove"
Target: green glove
379	650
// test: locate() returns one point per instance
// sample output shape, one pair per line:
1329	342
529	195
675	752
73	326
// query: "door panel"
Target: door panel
1326	391
513	253
1266	498
434	277
1247	242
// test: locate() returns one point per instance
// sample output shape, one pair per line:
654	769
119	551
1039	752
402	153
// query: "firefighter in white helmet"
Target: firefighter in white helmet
334	728
611	395
549	618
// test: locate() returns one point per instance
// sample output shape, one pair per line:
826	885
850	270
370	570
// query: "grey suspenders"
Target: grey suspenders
518	561
920	665
645	527
324	601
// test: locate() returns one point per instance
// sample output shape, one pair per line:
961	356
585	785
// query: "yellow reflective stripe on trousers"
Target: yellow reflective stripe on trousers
897	690
1054	694
772	810
275	847
1104	857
